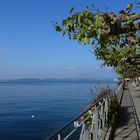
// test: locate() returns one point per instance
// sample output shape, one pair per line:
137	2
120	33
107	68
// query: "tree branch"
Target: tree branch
125	29
131	17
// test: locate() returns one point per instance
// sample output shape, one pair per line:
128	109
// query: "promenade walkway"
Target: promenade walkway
128	127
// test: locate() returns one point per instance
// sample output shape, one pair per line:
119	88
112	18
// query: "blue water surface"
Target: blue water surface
34	110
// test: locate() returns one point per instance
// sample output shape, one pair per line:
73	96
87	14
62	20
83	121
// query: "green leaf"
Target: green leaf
71	10
87	40
122	12
129	7
58	28
99	20
64	22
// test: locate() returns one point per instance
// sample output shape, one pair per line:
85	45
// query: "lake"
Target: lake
31	111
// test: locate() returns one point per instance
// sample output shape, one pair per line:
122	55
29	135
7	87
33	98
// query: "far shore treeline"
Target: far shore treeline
37	80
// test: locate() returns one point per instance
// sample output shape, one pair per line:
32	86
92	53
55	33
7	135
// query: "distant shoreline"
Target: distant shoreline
54	80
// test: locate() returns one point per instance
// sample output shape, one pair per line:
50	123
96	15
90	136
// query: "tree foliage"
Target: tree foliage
115	37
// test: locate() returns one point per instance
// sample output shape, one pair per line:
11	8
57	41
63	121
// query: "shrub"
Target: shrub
113	112
87	117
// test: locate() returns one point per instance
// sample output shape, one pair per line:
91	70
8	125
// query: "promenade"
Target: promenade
128	127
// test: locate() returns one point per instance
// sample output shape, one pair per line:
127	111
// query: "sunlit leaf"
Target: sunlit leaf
129	7
87	40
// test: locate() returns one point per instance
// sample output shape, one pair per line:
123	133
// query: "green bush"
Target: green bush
113	112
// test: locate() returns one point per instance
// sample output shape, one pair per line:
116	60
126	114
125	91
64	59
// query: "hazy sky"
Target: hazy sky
30	47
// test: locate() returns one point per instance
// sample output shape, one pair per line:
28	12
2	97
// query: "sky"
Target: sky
31	48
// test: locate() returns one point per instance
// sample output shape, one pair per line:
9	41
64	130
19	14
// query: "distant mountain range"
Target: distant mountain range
28	80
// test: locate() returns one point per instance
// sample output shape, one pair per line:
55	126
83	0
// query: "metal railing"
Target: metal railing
92	124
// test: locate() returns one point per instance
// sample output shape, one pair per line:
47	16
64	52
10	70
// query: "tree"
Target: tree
116	38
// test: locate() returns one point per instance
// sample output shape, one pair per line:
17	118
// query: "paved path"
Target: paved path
128	126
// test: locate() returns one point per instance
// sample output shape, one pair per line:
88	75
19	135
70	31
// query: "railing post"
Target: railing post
106	110
101	119
96	124
59	137
82	135
92	130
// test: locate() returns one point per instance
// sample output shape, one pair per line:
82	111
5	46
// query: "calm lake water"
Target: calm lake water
34	110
